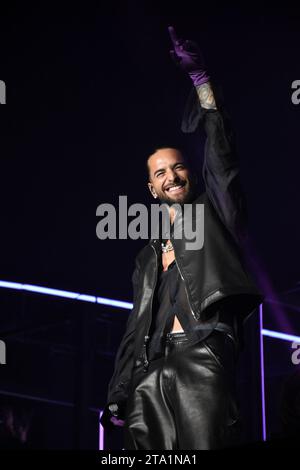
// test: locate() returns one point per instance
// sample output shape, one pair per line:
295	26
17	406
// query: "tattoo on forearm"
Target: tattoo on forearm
206	96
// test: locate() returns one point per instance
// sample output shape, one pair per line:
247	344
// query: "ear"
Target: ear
152	190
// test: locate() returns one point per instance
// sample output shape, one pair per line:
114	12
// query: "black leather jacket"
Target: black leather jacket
215	272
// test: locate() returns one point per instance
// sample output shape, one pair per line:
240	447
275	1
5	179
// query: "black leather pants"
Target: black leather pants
186	399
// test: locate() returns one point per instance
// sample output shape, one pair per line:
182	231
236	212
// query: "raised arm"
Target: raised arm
220	168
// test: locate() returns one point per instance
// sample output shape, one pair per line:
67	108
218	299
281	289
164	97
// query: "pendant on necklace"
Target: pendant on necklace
167	247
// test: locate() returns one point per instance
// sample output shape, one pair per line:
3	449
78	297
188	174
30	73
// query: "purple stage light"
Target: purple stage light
262	375
66	294
279	335
128	306
101	433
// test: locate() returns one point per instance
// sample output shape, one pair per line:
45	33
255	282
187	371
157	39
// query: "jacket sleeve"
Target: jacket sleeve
221	166
124	361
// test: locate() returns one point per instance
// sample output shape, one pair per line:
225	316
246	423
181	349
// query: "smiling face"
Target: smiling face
170	179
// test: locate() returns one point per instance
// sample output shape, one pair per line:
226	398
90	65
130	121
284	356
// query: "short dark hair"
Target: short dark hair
162	147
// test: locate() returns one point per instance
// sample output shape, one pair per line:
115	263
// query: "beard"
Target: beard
185	198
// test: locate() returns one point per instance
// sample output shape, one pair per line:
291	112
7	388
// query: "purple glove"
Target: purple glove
117	422
188	56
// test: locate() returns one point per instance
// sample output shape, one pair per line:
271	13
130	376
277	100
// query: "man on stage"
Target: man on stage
173	385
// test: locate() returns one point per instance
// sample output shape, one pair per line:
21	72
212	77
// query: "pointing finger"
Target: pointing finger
173	35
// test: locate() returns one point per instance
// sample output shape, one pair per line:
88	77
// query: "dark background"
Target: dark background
90	90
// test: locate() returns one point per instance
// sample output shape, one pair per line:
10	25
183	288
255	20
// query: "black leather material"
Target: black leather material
187	399
212	274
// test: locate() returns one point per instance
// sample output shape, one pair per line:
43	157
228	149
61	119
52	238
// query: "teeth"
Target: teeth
174	188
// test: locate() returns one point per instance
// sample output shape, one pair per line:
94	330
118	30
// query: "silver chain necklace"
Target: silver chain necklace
167	247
